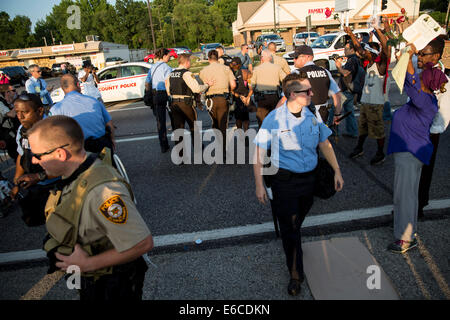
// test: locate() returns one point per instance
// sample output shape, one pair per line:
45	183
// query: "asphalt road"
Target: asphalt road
186	199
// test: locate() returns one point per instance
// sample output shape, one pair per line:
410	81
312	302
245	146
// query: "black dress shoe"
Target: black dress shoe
294	287
165	149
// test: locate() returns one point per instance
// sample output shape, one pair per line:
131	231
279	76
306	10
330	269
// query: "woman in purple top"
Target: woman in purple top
411	146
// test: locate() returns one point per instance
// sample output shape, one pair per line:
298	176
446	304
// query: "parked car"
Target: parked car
302	38
281	45
56	69
46	72
151	57
17	74
111	61
208	47
330	45
180	50
117	83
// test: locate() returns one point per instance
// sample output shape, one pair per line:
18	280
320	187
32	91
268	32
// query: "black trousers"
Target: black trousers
33	204
292	200
264	106
427	174
125	283
219	116
160	99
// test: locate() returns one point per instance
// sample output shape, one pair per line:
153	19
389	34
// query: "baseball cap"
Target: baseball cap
303	49
86	64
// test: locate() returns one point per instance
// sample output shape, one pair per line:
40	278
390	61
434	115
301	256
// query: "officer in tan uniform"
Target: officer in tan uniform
279	60
217	95
91	219
264	85
181	87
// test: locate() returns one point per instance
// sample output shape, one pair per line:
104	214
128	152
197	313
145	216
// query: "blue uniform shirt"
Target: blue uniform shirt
158	79
90	113
39	86
293	141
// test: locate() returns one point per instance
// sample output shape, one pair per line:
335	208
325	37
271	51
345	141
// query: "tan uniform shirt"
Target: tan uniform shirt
109	211
282	63
191	82
267	77
221	74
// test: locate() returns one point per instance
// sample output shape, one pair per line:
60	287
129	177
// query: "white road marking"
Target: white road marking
128	109
168	136
182	238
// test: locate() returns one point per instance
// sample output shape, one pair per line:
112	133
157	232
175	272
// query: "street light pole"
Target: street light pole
151	24
45	41
274	18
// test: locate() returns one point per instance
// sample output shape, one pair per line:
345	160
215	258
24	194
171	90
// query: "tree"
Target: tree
15	33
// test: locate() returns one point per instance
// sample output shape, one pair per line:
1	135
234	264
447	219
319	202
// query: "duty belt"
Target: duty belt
223	95
267	92
180	99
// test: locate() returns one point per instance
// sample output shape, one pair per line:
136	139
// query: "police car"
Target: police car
117	83
331	45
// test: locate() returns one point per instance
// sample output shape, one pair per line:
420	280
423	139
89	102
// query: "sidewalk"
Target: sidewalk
255	269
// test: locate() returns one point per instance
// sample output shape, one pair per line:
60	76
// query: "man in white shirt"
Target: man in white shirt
89	81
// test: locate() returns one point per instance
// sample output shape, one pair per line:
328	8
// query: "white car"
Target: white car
302	38
117	83
329	45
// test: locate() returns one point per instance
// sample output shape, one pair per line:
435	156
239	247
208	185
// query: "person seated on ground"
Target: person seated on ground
90	113
28	176
8	121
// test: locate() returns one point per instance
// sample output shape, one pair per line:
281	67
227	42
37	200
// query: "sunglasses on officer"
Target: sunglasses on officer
422	54
307	91
39	155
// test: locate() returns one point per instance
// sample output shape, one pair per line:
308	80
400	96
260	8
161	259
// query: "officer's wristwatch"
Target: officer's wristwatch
42	176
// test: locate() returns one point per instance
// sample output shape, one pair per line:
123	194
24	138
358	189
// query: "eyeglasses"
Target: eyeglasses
39	155
307	91
421	54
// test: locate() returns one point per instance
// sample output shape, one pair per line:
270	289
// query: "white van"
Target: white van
331	44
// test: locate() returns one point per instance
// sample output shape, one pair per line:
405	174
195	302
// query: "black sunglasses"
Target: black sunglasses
421	54
39	155
307	91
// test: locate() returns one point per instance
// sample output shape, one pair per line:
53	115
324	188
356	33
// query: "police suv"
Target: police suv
118	82
331	45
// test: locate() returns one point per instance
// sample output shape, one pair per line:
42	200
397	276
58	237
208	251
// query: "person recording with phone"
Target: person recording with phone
88	77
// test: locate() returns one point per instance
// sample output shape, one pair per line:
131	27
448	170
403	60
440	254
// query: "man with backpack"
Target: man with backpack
371	122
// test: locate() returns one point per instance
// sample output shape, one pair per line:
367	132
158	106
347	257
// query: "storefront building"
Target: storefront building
95	51
257	17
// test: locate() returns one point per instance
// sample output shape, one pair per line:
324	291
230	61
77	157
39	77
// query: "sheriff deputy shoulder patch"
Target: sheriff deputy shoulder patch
114	210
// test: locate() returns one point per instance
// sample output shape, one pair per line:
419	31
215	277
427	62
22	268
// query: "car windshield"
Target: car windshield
323	41
212	46
272	37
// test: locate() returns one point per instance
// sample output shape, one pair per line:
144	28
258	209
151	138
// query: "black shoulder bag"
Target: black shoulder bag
148	94
324	184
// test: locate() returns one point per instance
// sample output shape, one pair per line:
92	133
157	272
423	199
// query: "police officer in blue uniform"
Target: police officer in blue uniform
293	133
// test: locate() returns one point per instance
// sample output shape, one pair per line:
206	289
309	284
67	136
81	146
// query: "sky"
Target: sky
34	9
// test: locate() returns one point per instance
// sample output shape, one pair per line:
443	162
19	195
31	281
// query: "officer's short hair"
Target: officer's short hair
32	67
183	57
272	45
161	52
59	130
290	82
31	99
213	55
237	60
68	80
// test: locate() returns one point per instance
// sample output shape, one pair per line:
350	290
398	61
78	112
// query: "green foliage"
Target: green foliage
435	5
438	16
175	22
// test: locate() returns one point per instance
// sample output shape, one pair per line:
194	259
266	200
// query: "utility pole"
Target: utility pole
446	17
173	33
151	24
160	28
45	41
53	39
274	18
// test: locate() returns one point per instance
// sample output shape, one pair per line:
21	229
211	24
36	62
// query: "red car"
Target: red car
151	56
